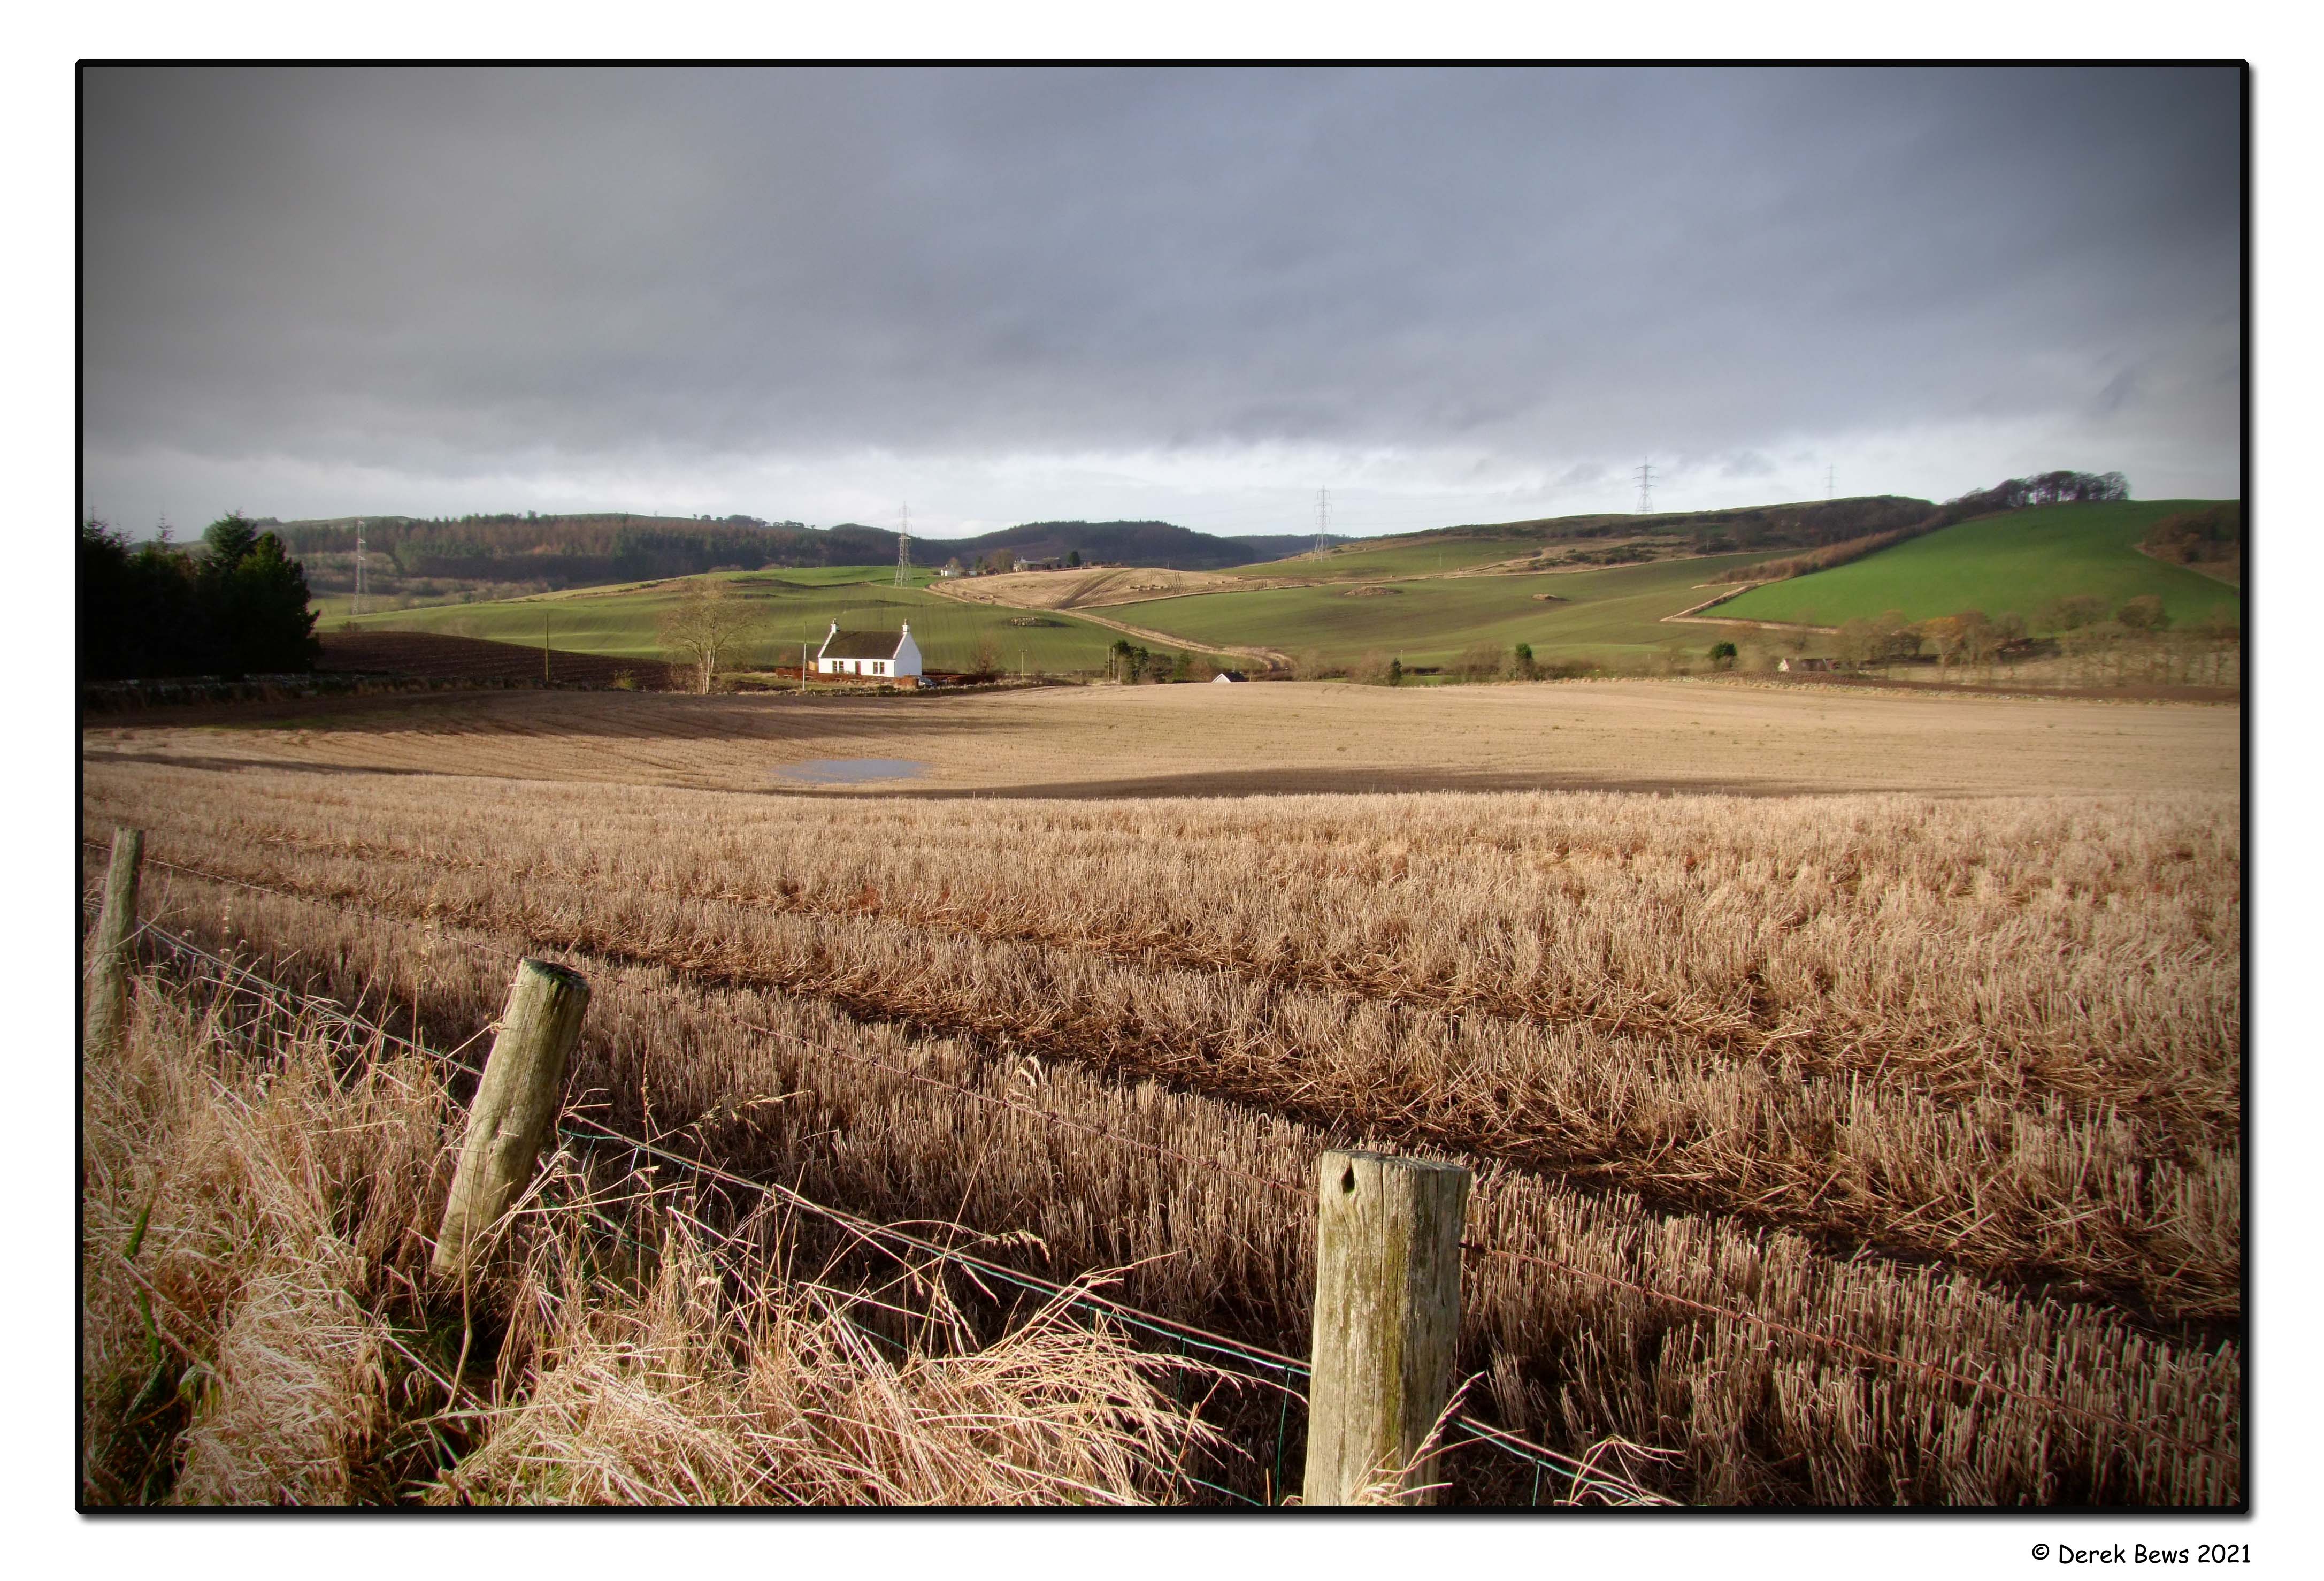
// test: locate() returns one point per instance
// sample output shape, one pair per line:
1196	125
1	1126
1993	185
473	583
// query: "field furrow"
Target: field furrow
1753	1418
2105	1193
1882	1144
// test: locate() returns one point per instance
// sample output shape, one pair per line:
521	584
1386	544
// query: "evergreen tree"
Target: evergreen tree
157	611
258	605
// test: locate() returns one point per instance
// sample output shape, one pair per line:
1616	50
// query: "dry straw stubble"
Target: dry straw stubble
262	1186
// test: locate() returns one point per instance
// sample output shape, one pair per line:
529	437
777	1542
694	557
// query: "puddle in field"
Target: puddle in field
852	770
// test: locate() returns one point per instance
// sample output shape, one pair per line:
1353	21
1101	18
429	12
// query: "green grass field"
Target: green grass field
792	604
1608	613
2002	565
1402	557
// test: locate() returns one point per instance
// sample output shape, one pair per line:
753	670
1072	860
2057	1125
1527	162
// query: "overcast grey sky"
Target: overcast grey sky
1196	295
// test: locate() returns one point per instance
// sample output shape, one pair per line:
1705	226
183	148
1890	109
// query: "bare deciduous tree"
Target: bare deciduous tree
1859	644
702	628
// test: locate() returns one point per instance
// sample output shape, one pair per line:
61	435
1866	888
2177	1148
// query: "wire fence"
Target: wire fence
1285	1374
1986	1384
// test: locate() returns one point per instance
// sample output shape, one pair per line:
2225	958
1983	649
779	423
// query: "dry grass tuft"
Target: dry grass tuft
246	1223
257	1330
714	1387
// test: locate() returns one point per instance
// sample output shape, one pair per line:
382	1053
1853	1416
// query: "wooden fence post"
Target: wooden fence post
516	1106
108	966
1387	1311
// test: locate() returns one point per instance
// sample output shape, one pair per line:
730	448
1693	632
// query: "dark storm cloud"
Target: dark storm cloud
456	273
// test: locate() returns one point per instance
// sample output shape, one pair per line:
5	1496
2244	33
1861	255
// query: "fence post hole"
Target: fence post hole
1387	1311
108	963
516	1104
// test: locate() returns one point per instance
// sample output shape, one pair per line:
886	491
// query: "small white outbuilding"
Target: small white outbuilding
873	655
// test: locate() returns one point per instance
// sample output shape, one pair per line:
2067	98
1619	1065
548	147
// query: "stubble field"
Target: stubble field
1263	738
1896	1042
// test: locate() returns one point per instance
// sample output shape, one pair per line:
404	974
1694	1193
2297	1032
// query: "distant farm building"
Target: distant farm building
1804	666
1228	675
870	655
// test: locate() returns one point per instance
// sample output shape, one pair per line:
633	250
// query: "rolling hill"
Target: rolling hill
1602	539
1597	589
2014	563
413	559
792	606
1430	620
1120	543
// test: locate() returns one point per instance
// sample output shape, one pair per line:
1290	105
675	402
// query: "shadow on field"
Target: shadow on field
225	765
1331	782
784	719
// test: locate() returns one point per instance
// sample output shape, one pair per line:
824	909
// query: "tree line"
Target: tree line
600	546
2133	642
583	550
234	605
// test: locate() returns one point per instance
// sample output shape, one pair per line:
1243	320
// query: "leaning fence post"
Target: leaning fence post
109	953
1387	1311
515	1107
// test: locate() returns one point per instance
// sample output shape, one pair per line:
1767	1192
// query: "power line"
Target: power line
1646	476
904	549
1322	518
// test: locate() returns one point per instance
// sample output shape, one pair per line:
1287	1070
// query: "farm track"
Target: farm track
1578	1356
1273	658
2117	1191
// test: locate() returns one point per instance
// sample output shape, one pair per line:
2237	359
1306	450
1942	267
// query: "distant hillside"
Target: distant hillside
1121	543
411	558
1604	539
1278	545
1803	525
785	611
2017	563
568	551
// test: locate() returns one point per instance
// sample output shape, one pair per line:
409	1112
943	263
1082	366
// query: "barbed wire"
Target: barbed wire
1046	1115
240	978
508	956
1752	1319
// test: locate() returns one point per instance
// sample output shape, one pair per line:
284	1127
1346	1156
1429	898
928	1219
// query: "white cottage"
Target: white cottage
870	655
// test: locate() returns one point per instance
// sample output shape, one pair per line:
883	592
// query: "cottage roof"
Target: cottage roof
842	644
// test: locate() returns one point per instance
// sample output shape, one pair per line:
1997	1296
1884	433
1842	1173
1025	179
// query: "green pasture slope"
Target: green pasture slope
792	602
1402	557
2010	564
1435	619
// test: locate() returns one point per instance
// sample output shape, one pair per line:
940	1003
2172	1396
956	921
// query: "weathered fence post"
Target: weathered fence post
1387	1311
109	963
516	1104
